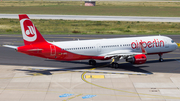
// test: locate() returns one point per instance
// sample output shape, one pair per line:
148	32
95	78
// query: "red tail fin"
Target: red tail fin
30	33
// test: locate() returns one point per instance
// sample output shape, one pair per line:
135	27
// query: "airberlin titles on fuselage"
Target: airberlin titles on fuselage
149	44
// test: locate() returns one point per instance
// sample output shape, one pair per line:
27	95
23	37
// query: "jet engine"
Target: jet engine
137	59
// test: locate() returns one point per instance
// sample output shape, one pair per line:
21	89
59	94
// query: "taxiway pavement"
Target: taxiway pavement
96	18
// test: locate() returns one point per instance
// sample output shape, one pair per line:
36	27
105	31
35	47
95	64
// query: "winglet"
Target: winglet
142	48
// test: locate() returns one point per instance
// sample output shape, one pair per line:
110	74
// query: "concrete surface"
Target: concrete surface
21	86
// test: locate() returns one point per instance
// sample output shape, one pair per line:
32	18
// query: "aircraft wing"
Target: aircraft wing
125	53
121	53
9	46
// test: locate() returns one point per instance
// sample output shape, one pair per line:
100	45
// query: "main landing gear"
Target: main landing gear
114	63
160	58
92	62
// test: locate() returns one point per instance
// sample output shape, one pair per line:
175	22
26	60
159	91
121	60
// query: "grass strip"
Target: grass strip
12	26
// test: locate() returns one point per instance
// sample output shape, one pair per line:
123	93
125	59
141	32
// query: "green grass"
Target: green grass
170	9
12	26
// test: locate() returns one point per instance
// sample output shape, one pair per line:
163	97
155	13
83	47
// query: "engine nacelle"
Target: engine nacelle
137	59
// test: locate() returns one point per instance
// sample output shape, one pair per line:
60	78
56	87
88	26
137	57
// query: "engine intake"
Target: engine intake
137	59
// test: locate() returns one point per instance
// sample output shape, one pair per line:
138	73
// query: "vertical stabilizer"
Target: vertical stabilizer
29	32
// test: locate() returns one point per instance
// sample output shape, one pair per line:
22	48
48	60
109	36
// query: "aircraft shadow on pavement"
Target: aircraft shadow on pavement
100	66
134	68
76	62
48	72
157	61
85	62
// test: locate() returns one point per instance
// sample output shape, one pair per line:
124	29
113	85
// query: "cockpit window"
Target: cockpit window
172	41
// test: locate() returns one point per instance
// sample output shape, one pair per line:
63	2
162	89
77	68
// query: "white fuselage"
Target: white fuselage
100	47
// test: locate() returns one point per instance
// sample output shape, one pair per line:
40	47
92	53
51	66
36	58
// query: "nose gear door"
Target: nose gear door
98	47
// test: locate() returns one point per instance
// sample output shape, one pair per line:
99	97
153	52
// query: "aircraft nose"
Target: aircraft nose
176	46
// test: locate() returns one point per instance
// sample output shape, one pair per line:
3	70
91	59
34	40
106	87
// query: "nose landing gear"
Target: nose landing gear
160	58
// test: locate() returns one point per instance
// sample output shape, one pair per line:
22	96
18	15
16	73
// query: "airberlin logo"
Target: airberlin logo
31	31
149	44
28	30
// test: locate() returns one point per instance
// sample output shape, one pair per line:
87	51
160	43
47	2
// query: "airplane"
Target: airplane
132	49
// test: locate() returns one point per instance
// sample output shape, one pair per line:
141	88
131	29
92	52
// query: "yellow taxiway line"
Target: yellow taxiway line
95	76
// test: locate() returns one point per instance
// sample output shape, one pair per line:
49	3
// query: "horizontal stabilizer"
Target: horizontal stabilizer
14	47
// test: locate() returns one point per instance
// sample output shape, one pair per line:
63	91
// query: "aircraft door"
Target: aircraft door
98	48
53	50
166	44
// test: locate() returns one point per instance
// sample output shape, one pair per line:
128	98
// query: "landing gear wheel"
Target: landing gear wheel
115	65
92	62
161	60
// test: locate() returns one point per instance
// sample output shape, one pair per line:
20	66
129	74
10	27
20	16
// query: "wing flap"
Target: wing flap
125	53
121	54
